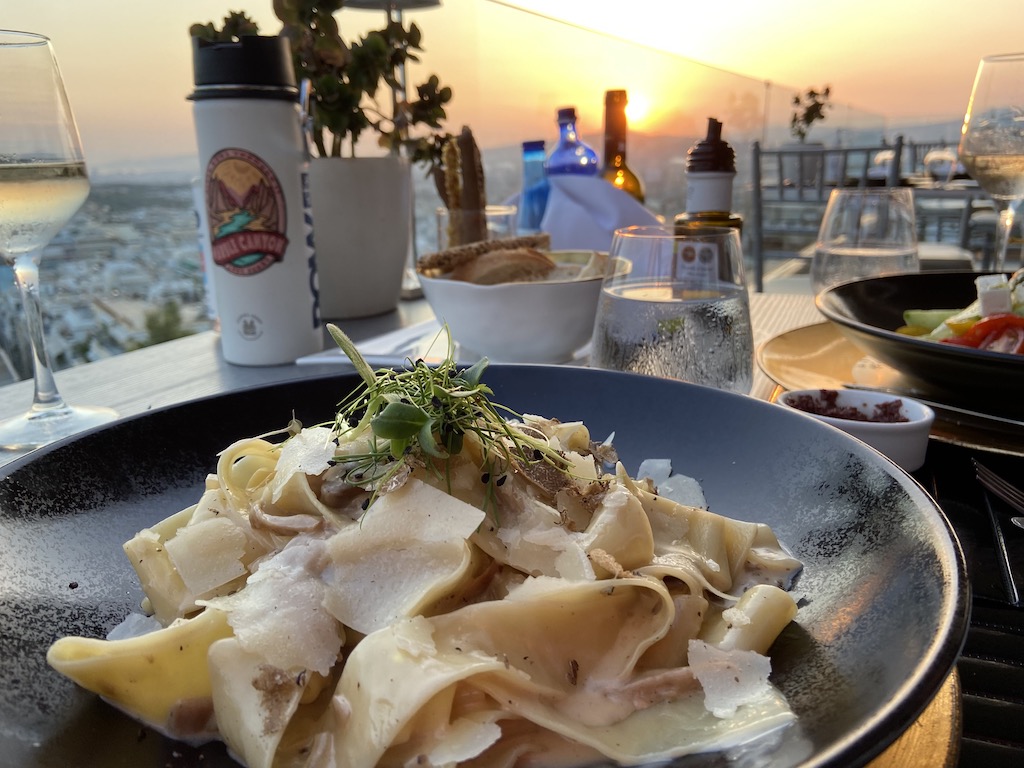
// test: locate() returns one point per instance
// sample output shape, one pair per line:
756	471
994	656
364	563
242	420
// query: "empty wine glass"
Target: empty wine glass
865	233
43	182
992	140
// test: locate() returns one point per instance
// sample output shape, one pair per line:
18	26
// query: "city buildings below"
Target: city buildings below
125	273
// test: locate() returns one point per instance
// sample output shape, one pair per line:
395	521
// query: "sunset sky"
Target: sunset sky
127	63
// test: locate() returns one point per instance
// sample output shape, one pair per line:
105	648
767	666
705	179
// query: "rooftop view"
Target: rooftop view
128	270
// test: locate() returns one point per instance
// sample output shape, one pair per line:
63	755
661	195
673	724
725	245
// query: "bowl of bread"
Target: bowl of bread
513	300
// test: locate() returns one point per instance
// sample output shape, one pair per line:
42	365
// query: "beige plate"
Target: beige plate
819	356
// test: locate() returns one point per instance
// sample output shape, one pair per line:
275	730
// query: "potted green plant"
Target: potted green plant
808	108
362	206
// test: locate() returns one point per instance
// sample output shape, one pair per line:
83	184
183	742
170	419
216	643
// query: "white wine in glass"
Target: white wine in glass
992	140
43	182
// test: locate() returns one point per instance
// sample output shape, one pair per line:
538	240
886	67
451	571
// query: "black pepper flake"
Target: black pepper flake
73	585
365	505
574	670
485	477
537	455
501	480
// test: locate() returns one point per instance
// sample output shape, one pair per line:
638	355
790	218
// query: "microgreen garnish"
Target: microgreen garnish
419	416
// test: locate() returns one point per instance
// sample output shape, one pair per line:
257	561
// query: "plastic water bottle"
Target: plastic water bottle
533	198
571	155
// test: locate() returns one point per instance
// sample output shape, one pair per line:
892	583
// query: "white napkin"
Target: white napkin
584	211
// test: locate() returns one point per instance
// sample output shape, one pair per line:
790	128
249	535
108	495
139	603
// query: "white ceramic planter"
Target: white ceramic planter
362	224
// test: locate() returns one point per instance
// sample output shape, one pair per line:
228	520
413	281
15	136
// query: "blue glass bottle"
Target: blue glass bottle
571	155
533	198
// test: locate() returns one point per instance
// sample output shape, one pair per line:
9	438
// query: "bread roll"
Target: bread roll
436	264
516	265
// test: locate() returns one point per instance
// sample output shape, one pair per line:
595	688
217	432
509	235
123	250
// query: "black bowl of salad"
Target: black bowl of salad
932	327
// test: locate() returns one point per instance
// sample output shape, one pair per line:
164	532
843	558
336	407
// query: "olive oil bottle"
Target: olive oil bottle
710	170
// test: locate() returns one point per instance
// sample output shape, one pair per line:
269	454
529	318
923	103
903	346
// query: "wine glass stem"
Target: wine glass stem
26	275
1003	233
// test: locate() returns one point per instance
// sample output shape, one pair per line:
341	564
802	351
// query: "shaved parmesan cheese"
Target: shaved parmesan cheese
679	488
730	679
407	552
208	554
658	470
280	617
684	490
310	452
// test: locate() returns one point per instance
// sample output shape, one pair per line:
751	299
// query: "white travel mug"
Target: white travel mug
254	163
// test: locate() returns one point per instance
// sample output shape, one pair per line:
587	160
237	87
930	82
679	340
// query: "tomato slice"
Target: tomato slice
997	333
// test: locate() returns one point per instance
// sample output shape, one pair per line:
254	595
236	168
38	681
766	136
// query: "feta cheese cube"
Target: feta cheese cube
993	295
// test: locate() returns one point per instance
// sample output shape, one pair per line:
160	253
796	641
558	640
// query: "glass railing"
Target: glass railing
510	70
515	69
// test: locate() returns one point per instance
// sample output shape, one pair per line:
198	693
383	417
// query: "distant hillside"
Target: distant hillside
157	170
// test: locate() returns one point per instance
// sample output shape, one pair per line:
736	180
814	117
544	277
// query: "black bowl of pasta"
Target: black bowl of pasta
882	596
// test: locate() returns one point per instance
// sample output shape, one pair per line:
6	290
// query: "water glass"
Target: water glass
462	226
674	304
865	232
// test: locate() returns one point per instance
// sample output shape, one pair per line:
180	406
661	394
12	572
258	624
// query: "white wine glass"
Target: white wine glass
992	140
43	182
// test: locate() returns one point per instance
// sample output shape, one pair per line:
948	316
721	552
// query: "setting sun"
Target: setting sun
638	109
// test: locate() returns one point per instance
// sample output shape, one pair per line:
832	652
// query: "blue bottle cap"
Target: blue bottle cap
533	146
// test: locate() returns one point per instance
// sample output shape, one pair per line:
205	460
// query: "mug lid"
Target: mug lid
255	61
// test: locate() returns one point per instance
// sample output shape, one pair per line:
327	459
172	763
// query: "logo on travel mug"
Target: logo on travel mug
246	209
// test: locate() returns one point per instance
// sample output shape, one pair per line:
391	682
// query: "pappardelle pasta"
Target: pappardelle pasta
428	580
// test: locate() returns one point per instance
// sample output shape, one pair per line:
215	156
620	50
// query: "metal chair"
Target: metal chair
791	187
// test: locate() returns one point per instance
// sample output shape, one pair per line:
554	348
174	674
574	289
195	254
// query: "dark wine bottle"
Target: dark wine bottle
615	170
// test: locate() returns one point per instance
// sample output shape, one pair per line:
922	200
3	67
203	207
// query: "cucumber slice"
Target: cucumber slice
929	319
